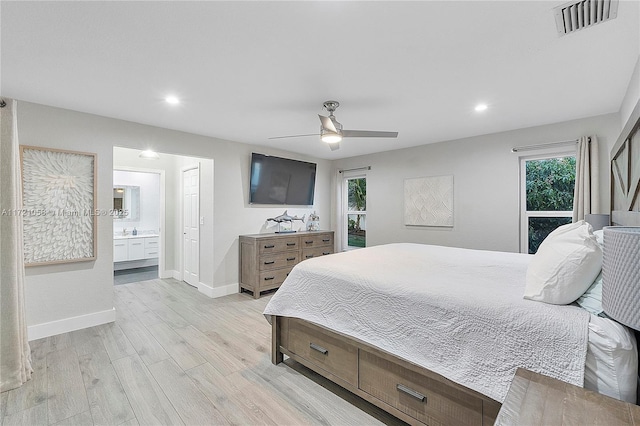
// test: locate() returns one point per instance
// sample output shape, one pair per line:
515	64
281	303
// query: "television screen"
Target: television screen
276	180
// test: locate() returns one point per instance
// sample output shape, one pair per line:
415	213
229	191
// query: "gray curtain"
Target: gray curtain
586	196
15	355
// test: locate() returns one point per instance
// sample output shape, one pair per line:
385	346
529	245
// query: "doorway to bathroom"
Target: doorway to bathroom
138	197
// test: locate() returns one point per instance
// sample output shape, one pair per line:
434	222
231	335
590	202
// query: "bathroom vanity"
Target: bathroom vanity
135	251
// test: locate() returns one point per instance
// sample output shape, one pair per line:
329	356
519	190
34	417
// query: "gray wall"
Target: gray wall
486	183
61	292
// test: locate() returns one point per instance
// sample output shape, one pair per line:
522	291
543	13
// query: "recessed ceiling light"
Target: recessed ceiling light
172	100
481	107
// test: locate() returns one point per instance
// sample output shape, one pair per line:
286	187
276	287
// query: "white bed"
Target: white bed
469	324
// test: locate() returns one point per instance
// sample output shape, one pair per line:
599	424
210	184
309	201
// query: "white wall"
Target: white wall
632	95
486	183
58	293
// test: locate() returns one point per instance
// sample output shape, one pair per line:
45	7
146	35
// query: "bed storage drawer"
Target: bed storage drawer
323	350
423	398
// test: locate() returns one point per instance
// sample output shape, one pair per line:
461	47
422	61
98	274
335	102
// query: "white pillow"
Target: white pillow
599	238
565	265
591	300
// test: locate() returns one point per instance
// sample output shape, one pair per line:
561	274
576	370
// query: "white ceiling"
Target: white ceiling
246	71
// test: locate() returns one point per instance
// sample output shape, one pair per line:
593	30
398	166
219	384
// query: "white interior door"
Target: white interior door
191	225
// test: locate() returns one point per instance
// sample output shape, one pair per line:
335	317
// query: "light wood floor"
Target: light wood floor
175	356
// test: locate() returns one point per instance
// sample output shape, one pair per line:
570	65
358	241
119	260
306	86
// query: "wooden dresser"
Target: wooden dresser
267	259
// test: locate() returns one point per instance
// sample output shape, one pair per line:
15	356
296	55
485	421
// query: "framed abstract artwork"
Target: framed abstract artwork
428	201
59	205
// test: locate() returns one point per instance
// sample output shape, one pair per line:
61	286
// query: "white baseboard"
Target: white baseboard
176	275
167	274
66	325
214	292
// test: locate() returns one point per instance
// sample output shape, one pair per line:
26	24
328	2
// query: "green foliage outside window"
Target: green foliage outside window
549	184
357	200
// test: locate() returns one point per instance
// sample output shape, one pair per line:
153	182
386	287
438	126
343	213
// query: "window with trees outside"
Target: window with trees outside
547	187
355	212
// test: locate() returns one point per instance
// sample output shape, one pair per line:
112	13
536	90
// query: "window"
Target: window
355	212
546	190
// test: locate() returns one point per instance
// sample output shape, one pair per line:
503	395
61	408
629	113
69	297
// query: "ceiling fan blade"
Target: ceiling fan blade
334	146
368	134
294	136
327	124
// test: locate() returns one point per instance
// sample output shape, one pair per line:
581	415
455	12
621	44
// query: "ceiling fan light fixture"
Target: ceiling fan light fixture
173	100
330	137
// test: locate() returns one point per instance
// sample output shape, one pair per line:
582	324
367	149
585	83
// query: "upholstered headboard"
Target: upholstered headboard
625	174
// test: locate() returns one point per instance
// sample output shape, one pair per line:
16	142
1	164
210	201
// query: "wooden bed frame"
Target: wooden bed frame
373	374
625	174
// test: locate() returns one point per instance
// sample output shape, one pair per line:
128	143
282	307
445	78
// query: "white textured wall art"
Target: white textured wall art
58	205
428	201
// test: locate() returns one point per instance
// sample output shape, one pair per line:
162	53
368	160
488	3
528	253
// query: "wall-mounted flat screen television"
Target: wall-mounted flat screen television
276	180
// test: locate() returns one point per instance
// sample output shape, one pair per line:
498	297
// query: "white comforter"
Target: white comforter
457	312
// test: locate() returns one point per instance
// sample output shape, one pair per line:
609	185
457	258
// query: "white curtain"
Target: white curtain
338	224
15	355
586	195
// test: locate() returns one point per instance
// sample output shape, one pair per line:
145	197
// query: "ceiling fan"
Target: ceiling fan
332	133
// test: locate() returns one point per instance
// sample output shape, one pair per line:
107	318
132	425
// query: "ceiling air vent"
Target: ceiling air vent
576	15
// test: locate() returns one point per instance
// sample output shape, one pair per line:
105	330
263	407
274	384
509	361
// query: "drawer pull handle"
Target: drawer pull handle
326	241
308	242
417	395
318	348
291	258
309	256
136	244
268	278
270	263
269	246
291	244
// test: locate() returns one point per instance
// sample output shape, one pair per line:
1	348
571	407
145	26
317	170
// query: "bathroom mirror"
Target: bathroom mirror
126	199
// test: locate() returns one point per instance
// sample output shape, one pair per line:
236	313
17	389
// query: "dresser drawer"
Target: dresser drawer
423	398
274	245
271	279
278	260
316	240
309	253
330	354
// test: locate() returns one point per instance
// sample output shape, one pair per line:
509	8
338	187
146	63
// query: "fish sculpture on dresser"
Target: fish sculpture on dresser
284	217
